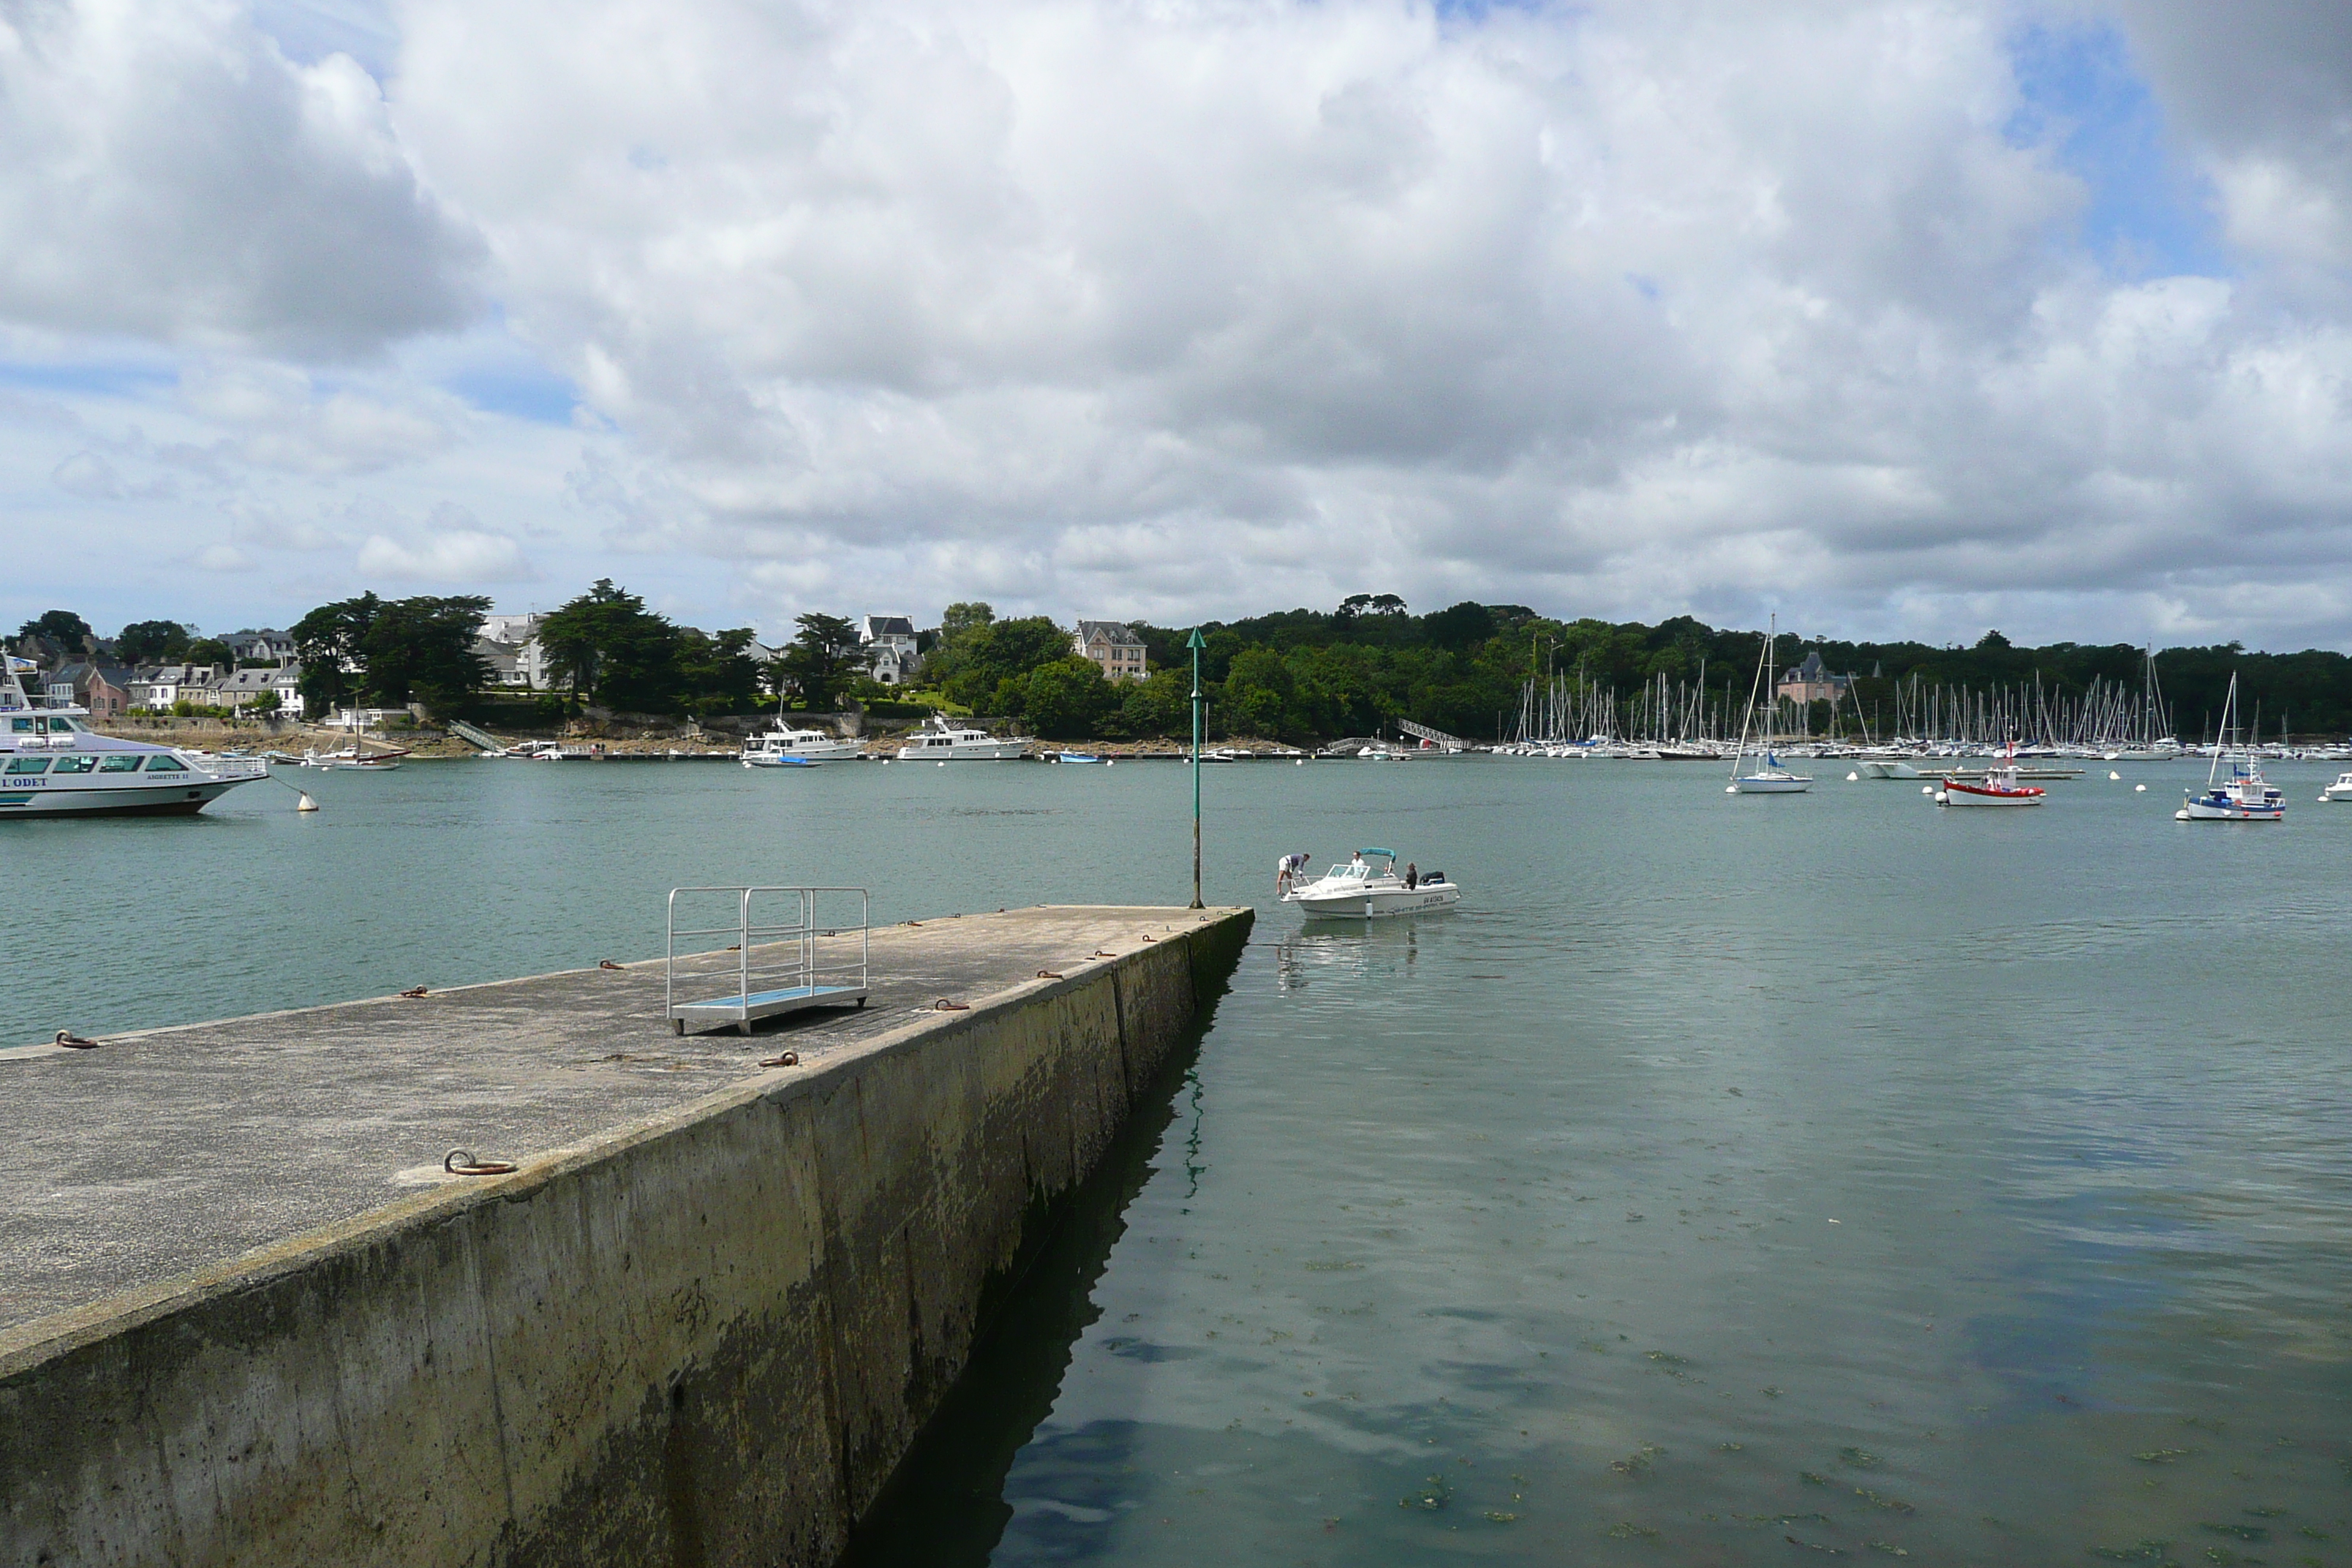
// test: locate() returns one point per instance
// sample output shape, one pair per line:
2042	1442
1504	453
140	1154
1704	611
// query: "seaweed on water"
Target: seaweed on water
1497	1516
2239	1532
1432	1497
1888	1547
2163	1455
1811	1479
1637	1463
1894	1504
1859	1458
2138	1552
1626	1530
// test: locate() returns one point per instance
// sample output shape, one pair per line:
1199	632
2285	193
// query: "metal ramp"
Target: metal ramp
1434	737
791	948
480	739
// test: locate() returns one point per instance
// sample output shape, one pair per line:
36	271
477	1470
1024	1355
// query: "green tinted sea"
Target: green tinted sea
1730	1178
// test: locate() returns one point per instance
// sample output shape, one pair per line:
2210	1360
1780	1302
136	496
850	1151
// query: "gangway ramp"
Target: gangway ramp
475	737
1434	737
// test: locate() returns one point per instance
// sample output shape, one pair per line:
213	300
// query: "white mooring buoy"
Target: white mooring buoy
306	802
2139	789
1850	778
2114	775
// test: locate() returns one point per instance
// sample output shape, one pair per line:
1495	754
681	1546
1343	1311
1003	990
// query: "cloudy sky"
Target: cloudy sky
1899	318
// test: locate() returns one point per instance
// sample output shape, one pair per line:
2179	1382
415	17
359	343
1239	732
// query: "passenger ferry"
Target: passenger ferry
940	741
53	764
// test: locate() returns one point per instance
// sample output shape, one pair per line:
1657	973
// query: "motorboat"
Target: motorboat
53	764
2245	796
1768	777
2340	790
941	741
1075	757
786	747
1885	767
1369	888
1995	786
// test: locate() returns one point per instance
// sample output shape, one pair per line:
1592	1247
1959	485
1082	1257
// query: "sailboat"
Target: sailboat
2245	796
1770	777
356	757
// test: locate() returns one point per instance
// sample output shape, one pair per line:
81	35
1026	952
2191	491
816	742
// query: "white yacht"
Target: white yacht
1367	888
2245	796
1770	777
53	764
785	747
2340	790
941	741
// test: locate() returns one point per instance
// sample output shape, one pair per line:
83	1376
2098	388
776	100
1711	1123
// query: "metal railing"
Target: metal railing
231	767
782	956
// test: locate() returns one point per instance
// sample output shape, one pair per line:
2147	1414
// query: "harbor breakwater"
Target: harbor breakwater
704	1337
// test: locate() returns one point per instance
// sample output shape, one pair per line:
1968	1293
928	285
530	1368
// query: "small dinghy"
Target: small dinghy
1369	888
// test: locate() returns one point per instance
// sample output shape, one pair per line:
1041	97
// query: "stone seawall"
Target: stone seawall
703	1340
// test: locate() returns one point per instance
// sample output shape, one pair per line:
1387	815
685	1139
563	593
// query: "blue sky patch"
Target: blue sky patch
521	393
88	379
2147	216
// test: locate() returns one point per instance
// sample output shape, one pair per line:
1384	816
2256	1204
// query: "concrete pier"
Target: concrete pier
245	1318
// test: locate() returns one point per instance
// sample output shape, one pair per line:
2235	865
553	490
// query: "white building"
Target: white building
240	689
266	644
158	689
516	657
890	645
1112	645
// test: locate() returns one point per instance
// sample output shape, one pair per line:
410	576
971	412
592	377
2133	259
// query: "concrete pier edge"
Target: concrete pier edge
181	1422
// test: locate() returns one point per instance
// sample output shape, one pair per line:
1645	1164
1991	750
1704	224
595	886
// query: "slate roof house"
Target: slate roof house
1112	645
1811	681
889	644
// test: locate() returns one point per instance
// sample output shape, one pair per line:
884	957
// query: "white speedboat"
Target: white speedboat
1768	777
2340	790
53	764
941	741
2245	796
1367	888
785	747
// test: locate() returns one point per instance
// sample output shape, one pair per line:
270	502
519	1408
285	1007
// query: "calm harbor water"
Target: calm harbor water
1731	1177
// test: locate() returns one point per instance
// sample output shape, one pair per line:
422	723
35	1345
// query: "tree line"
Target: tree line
1298	675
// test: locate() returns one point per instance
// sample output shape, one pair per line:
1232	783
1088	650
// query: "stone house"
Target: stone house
1114	646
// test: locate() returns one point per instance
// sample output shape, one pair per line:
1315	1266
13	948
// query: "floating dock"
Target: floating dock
246	1316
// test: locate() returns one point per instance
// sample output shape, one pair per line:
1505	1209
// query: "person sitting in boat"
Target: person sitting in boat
1412	874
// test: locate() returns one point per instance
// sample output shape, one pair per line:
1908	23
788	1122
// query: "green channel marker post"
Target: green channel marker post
1196	644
